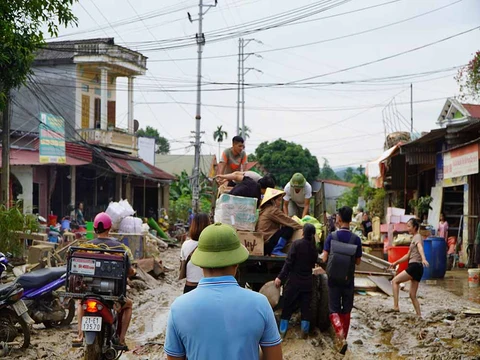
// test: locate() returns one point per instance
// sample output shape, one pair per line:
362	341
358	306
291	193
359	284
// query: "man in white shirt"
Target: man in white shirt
298	193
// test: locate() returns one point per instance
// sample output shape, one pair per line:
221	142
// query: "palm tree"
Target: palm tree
246	132
219	135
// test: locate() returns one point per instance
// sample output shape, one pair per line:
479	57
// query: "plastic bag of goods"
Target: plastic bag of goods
131	225
116	212
128	208
238	211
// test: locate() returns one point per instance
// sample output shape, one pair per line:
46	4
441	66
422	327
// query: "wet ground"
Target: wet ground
444	332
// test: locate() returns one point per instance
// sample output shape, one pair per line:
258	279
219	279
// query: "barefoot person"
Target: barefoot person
416	262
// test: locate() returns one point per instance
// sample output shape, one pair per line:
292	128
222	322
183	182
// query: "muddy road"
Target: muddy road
444	332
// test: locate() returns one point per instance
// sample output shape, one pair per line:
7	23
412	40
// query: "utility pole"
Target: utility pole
198	116
6	154
240	46
411	108
242	43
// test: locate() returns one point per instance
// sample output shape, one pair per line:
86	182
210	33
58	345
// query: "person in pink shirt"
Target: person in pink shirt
443	227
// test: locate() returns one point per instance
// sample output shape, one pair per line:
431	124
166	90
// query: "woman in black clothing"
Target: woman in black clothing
298	266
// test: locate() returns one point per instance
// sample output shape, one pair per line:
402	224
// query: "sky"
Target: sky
333	81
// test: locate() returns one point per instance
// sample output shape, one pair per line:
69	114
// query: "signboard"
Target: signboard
146	149
52	139
460	162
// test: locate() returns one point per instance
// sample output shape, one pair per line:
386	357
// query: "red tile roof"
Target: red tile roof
473	109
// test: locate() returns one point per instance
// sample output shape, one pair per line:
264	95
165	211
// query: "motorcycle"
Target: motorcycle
4	264
14	319
98	278
44	305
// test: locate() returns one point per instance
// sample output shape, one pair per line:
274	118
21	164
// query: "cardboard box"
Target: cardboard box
136	243
238	211
253	241
406	218
393	219
37	252
395	211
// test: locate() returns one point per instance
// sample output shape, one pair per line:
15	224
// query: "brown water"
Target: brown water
456	282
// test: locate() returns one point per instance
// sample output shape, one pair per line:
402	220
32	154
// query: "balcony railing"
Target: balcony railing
114	51
113	139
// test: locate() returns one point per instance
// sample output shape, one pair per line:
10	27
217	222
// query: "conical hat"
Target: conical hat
270	194
271	292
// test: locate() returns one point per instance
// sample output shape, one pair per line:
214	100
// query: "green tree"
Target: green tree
468	78
219	136
161	143
327	173
283	159
349	173
21	34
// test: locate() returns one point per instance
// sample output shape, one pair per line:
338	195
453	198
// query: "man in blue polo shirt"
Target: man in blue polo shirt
219	320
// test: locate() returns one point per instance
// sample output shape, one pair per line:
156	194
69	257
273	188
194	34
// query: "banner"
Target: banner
52	139
460	162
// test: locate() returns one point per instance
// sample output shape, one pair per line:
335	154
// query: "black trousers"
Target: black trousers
188	288
340	298
297	291
286	232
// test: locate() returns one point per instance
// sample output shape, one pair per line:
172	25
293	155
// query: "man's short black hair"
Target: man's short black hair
237	139
345	213
268	181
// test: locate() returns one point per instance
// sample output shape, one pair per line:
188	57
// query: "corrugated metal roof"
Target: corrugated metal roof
175	164
124	164
32	157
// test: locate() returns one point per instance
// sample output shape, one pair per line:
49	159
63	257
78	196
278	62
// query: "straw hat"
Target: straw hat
271	292
270	194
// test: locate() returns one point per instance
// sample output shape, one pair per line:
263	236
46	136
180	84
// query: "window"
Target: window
98	112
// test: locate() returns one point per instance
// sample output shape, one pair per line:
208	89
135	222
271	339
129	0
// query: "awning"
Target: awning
32	157
129	165
376	169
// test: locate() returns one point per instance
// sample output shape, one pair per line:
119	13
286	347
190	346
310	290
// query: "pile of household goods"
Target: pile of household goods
132	231
242	214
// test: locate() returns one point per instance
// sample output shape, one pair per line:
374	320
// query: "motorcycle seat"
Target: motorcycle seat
7	289
42	277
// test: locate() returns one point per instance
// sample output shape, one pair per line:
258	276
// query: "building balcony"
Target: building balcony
114	139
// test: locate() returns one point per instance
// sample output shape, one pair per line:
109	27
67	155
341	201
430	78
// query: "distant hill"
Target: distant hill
340	171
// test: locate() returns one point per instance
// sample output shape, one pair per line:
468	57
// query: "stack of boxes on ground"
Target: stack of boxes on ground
241	213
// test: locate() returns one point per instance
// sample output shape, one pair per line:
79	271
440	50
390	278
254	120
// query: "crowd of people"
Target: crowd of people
204	322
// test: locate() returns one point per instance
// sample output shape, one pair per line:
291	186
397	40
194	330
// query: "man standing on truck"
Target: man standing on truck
342	251
298	193
234	158
209	322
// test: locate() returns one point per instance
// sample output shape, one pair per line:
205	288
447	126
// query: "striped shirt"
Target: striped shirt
210	322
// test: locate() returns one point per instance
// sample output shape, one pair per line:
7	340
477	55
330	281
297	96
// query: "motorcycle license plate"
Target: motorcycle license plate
91	323
20	307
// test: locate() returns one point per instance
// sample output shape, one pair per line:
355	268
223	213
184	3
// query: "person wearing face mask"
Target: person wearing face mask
298	193
277	228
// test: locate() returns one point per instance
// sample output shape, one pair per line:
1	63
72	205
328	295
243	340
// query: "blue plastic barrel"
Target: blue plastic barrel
427	248
436	254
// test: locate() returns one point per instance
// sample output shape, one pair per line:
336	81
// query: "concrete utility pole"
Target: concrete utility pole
242	71
200	42
411	108
6	154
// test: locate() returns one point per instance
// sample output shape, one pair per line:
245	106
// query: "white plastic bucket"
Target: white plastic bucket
473	278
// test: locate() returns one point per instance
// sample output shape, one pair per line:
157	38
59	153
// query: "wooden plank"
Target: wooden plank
385	285
363	283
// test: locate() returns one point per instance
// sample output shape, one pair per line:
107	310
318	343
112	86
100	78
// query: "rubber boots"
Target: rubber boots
277	250
305	325
283	327
346	323
340	342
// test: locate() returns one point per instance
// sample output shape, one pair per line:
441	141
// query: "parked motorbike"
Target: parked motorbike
4	264
14	318
43	303
99	279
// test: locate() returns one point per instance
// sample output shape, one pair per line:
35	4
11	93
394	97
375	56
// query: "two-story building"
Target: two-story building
77	81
